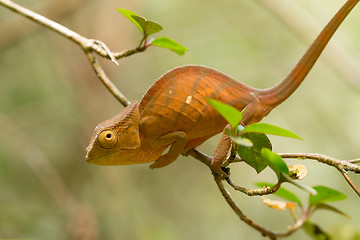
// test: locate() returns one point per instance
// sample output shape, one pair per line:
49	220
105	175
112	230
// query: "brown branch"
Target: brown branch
351	183
16	30
354	161
82	41
105	80
202	157
88	45
238	212
254	192
341	165
266	232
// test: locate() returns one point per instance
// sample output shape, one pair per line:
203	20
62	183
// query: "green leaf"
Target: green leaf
331	208
238	140
325	194
231	114
241	141
141	21
168	43
149	27
282	192
270	129
275	162
129	15
315	232
252	155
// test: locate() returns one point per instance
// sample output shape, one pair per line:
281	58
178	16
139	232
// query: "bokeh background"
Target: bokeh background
51	100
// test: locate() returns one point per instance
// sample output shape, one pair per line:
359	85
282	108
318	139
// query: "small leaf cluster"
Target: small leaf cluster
252	143
149	27
254	148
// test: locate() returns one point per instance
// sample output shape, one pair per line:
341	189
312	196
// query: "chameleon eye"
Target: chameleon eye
107	139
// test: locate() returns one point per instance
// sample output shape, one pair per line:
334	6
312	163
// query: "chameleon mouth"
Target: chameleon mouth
107	159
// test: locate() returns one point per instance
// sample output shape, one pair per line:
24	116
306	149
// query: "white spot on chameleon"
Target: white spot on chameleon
188	99
254	95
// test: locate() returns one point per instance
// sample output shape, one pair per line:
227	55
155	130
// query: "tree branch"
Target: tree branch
238	212
254	192
266	232
342	165
15	29
351	183
83	42
88	45
105	80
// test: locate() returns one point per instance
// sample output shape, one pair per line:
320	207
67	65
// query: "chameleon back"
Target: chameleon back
177	101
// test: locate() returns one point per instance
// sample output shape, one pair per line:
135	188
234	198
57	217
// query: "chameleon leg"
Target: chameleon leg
178	141
221	153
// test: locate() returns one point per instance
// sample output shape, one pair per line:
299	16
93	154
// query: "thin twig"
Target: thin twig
351	183
77	38
16	30
202	157
354	161
105	80
253	192
238	212
66	32
341	165
266	232
88	45
127	53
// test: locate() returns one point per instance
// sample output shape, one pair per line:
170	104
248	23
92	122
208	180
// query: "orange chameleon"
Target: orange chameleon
174	111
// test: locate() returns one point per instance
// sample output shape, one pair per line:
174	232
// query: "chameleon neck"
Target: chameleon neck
280	92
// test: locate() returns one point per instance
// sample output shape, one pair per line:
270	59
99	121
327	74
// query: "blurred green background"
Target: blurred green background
51	100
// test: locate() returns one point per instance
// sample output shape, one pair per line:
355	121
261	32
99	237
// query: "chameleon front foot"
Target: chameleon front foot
177	140
162	162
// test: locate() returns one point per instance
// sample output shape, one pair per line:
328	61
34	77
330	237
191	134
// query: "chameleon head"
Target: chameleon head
116	141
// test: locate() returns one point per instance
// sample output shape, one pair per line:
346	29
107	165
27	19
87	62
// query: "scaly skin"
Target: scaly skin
174	111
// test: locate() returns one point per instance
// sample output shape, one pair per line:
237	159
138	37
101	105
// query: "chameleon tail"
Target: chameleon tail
280	92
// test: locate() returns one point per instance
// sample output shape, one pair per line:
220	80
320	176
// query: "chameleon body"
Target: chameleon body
174	111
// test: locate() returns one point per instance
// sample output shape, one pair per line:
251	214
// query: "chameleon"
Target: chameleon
174	113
